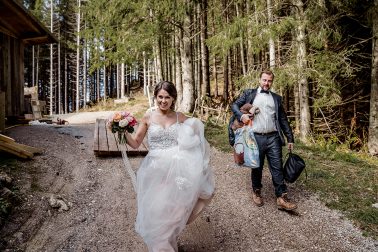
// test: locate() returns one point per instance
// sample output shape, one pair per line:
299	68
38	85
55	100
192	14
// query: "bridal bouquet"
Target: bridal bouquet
121	122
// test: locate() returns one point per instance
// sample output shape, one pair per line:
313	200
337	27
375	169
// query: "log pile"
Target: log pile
34	107
9	145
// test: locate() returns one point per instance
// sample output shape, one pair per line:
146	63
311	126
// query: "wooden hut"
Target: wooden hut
18	27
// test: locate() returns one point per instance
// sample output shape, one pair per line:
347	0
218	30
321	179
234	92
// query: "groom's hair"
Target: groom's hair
268	72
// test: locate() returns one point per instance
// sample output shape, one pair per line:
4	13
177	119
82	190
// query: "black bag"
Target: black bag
293	167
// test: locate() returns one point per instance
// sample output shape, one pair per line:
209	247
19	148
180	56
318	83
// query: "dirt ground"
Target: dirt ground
102	204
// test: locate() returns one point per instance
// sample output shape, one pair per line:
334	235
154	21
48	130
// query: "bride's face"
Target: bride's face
164	100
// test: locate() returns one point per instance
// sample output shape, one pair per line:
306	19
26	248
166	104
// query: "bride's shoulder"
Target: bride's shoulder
181	117
146	117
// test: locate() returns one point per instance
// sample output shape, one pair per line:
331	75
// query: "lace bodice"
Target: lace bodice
162	138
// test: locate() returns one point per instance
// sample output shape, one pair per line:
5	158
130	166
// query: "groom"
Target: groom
269	125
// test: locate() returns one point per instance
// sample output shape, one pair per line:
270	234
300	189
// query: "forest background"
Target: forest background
323	53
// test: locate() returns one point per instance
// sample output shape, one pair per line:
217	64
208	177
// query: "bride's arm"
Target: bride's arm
136	140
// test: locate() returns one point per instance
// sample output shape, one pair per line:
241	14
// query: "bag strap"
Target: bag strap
240	144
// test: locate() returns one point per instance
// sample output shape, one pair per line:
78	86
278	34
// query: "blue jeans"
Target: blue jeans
270	146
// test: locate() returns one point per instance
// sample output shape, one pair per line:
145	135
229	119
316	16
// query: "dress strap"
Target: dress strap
150	117
177	121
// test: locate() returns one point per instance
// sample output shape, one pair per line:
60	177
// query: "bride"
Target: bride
174	181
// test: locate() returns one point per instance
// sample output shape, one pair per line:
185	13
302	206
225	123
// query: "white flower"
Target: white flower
123	123
129	118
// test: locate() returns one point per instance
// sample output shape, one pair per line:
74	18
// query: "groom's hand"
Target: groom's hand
290	146
245	118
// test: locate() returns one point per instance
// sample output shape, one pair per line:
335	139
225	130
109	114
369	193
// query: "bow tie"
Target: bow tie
262	91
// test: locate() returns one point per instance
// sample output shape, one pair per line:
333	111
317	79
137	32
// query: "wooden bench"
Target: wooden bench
105	143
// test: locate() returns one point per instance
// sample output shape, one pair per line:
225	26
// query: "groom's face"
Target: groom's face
266	81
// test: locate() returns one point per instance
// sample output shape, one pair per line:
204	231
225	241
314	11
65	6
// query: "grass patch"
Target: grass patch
137	105
346	181
138	101
217	135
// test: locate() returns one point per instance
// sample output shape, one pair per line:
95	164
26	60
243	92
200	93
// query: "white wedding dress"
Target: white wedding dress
174	182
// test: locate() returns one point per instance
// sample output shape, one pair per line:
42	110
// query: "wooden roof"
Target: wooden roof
17	22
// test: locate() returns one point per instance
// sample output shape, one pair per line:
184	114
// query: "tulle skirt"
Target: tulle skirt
171	183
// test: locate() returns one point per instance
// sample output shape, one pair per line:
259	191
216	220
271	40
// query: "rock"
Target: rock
5	193
121	101
19	237
59	202
5	179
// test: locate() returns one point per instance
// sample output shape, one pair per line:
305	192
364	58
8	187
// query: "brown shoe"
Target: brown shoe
284	203
257	198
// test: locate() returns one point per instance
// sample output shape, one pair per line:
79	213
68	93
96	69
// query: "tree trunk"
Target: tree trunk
150	100
117	82
204	51
250	53
85	75
297	112
178	77
98	85
65	82
51	62
225	79
59	80
105	84
33	67
37	68
144	74
197	53
122	80
186	58
127	81
158	67
215	73
272	52
78	59
303	82
241	45
373	117
226	57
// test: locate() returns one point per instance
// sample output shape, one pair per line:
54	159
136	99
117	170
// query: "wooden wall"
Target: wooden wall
11	78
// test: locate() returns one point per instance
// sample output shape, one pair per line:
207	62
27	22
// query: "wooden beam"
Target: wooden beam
15	149
7	139
9	145
2	111
105	143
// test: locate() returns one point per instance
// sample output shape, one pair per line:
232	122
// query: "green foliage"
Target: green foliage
128	28
217	135
345	181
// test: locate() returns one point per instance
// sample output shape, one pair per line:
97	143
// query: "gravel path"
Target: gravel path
103	208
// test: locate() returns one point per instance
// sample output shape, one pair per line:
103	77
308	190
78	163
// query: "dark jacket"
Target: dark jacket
281	121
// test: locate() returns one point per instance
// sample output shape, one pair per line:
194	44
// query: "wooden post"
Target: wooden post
2	111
